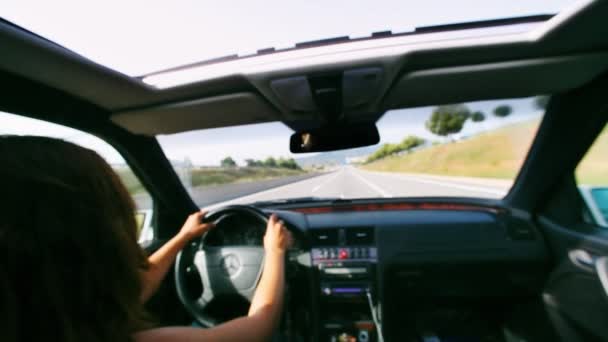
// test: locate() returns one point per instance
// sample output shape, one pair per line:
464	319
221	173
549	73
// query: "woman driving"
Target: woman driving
70	265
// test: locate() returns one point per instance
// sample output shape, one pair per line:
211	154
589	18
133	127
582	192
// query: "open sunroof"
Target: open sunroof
141	37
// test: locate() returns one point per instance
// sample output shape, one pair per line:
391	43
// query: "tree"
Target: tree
251	162
541	102
389	149
448	119
478	116
228	162
410	142
270	162
288	164
502	111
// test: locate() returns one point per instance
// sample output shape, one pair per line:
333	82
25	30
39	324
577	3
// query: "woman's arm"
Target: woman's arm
266	306
161	260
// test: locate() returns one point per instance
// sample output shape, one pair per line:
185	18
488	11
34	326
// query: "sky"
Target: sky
138	37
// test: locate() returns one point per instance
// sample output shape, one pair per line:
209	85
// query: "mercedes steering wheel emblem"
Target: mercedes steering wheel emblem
231	264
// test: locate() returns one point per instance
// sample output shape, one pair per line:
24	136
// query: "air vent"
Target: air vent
324	237
360	236
520	229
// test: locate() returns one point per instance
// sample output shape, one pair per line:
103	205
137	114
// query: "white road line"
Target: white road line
316	188
372	185
448	185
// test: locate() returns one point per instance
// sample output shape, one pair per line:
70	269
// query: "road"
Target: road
350	182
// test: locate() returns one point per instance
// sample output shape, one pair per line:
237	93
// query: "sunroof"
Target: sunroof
141	37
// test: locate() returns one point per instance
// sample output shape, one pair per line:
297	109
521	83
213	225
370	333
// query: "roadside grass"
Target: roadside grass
593	169
495	154
129	180
213	176
217	176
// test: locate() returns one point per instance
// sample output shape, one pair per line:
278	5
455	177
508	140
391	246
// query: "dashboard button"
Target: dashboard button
373	253
332	253
363	253
343	254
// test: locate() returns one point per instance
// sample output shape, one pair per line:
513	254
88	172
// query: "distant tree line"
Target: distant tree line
389	149
285	163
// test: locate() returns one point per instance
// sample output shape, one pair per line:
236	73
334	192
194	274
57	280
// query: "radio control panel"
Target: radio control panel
336	256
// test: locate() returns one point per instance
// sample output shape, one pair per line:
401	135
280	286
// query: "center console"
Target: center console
345	262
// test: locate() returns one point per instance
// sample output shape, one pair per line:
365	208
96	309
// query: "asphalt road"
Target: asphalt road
350	182
208	195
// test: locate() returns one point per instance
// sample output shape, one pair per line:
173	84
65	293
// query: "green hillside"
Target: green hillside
496	154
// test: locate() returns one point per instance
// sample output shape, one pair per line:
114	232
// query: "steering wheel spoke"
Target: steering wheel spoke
228	270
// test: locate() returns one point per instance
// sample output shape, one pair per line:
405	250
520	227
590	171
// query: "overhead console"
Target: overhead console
341	96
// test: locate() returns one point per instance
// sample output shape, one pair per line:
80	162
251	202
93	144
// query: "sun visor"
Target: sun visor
211	112
495	80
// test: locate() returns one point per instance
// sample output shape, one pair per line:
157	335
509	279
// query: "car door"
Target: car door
576	293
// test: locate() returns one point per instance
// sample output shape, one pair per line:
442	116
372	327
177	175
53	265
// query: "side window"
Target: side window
20	125
592	179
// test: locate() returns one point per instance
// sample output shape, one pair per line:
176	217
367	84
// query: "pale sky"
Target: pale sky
141	36
138	37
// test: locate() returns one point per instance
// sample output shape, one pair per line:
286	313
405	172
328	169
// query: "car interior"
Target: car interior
532	266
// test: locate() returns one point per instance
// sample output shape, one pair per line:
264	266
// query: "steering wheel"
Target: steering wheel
229	270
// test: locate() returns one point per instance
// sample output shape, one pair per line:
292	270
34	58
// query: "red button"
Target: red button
343	254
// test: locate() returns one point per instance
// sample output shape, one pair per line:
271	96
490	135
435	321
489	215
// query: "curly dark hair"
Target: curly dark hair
69	259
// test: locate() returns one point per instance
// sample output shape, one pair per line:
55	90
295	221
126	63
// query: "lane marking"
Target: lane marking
316	188
446	184
372	185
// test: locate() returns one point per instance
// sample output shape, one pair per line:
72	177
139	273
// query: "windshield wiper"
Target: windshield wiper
295	200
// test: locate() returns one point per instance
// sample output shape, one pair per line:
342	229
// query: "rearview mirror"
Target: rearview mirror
333	138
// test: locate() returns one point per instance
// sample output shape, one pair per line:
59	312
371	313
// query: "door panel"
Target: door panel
574	296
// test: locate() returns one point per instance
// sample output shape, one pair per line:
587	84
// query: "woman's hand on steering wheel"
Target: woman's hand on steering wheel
194	227
277	238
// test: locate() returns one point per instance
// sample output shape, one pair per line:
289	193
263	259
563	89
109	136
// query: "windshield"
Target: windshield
466	150
140	37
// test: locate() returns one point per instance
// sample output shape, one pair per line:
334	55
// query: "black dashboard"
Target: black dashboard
419	266
402	267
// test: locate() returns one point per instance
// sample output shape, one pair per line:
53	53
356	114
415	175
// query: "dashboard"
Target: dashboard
403	260
407	262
